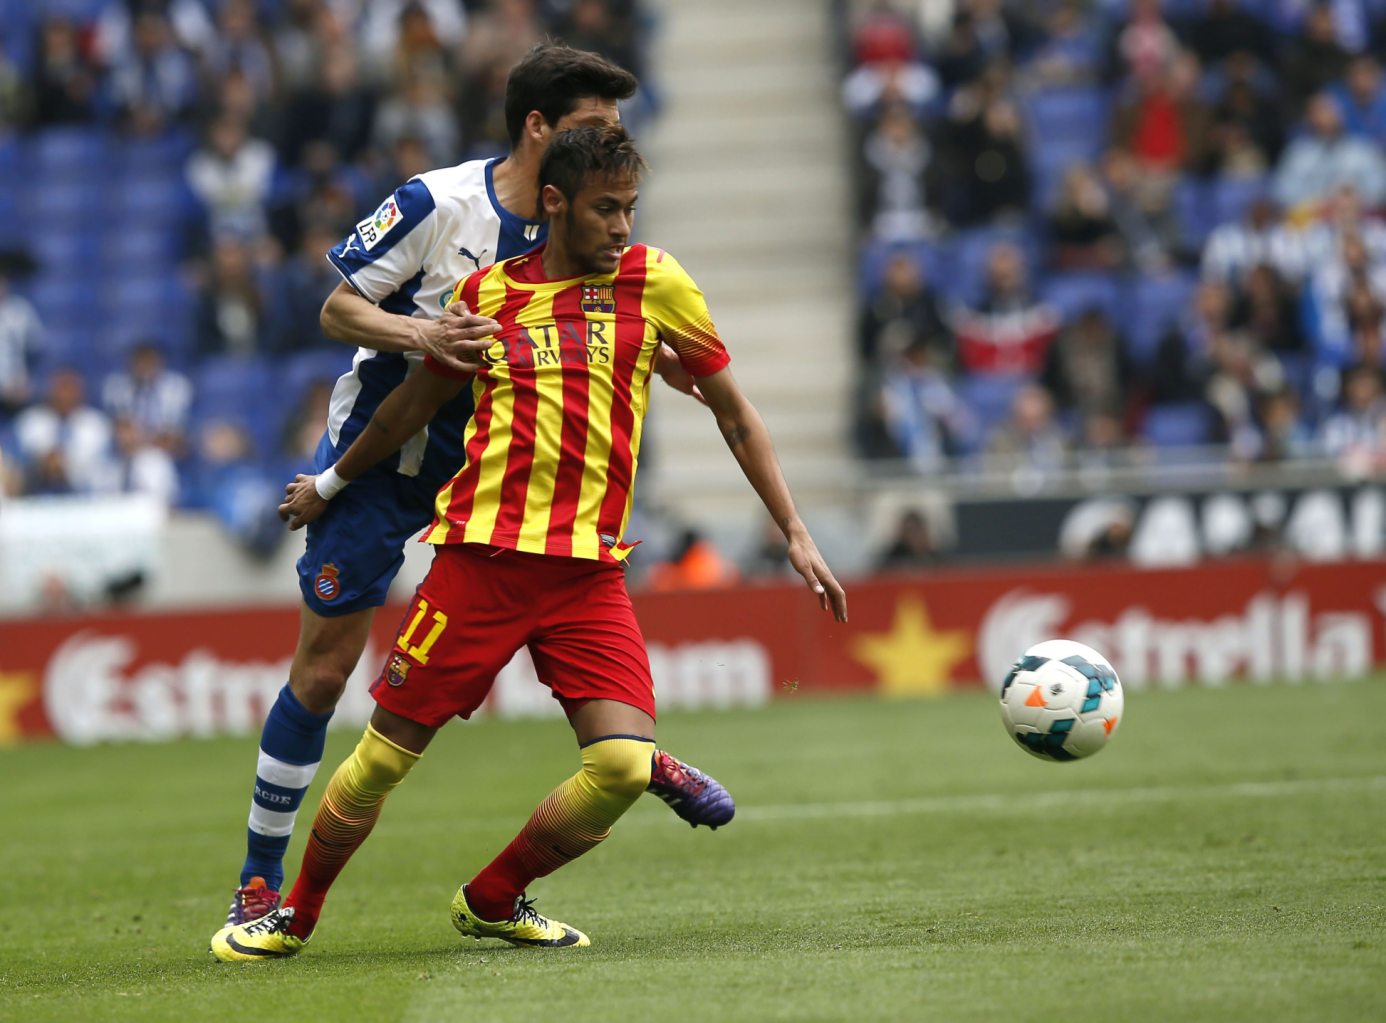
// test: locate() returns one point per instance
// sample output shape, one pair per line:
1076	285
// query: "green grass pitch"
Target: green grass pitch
1222	860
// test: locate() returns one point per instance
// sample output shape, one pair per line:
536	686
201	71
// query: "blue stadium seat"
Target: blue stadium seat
876	254
303	369
1183	425
72	154
161	157
137	302
1230	197
1075	293
1074	118
967	257
81	11
1048	164
1153	304
54	295
19	36
989	396
152	199
70	253
73	204
1192	201
149	247
65	344
243	390
13	158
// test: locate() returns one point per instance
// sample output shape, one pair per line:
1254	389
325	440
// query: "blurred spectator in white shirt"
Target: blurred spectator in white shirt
1031	439
1356	434
1330	294
154	81
231	175
237	46
922	413
1325	157
63	443
897	155
137	467
155	398
20	337
1236	247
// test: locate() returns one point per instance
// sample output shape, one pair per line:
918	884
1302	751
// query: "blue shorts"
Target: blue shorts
355	550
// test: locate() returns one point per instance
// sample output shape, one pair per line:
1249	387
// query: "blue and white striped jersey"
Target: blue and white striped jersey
406	257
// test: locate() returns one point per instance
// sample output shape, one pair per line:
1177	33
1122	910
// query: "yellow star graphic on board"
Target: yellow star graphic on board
17	691
913	658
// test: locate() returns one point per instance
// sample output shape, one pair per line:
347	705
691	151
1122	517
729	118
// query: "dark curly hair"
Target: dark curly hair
581	153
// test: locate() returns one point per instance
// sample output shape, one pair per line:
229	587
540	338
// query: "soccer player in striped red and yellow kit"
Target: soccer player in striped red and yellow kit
529	537
551	451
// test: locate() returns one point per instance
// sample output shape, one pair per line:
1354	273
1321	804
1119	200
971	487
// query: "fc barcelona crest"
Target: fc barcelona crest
396	670
599	298
326	585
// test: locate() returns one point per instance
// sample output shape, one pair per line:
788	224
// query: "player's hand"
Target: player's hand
667	365
458	338
302	503
804	556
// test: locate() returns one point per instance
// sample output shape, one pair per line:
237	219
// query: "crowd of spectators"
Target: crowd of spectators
1093	228
173	172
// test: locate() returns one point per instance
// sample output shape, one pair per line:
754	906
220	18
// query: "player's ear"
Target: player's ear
536	128
553	201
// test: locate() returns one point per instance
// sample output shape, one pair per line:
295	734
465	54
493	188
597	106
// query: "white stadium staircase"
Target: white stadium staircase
748	188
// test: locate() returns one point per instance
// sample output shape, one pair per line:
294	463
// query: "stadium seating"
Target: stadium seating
988	396
1178	425
71	154
1075	293
1066	119
1153	303
244	391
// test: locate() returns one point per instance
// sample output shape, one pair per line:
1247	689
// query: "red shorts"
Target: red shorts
479	605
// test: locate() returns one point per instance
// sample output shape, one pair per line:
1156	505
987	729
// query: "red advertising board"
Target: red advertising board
155	676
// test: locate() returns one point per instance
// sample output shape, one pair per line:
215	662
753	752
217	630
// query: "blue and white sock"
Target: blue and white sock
290	751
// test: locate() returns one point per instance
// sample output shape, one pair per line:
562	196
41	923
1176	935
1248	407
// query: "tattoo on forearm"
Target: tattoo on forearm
736	435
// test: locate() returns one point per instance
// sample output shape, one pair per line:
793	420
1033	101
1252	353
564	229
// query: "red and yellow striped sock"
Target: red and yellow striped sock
572	819
348	811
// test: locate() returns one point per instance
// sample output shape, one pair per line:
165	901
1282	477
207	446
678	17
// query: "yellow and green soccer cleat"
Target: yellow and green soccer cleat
266	938
525	926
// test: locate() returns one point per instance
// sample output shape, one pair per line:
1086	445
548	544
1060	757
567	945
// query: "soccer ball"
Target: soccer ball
1061	700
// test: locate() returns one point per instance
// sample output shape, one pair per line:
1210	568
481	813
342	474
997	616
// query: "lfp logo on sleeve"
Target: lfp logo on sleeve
378	224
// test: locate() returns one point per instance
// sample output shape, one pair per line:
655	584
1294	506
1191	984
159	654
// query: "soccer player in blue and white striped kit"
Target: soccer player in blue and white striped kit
399	266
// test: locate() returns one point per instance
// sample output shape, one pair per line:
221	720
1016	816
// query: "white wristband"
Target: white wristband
329	484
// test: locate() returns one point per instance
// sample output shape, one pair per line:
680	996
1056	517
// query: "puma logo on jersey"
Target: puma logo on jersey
476	260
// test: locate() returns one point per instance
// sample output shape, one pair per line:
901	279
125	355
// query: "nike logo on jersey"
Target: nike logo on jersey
464	251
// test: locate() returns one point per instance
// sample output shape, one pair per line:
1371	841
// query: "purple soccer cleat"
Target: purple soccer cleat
692	795
252	902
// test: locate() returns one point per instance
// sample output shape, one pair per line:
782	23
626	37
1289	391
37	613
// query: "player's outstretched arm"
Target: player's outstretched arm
456	338
405	411
749	440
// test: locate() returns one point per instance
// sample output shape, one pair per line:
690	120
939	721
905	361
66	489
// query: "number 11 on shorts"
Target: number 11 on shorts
418	653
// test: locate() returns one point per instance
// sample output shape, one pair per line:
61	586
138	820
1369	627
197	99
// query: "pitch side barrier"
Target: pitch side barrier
1156	514
155	676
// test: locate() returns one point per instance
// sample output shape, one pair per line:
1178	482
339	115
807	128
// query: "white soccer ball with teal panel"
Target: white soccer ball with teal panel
1061	700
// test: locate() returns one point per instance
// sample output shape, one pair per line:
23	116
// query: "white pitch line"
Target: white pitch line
1020	802
651	815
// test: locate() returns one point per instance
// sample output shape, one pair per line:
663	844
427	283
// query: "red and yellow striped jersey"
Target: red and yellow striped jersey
552	448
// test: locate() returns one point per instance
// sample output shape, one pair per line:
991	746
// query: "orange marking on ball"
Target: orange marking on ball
1036	698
